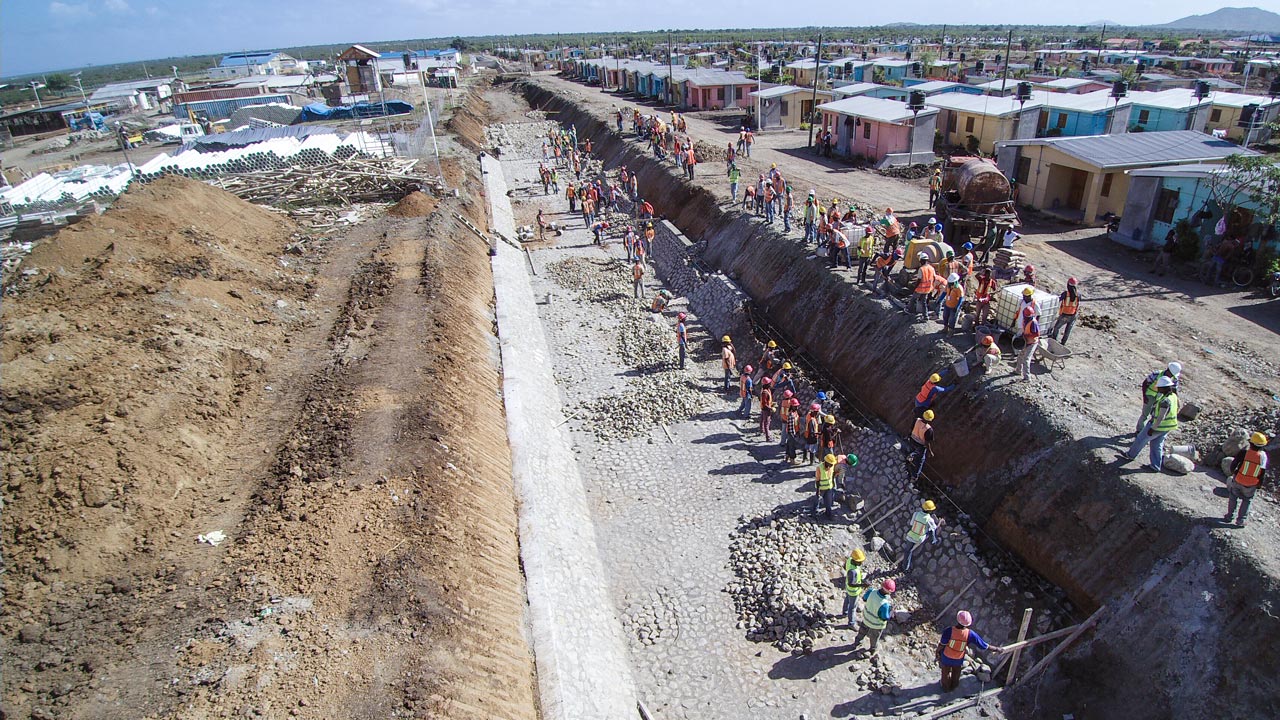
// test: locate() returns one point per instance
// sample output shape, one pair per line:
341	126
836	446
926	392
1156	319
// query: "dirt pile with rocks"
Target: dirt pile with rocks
135	344
415	204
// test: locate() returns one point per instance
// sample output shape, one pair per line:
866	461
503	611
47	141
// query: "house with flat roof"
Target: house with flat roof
785	106
986	119
804	71
1073	85
853	89
893	69
1226	110
1067	115
265	62
1083	178
1174	109
938	87
1159	198
943	70
885	132
710	89
999	88
141	94
1216	66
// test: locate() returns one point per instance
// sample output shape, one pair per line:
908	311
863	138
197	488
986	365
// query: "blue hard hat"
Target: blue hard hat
967	246
938	227
822	395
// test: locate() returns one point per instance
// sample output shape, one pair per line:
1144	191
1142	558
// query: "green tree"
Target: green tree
1253	179
57	82
459	44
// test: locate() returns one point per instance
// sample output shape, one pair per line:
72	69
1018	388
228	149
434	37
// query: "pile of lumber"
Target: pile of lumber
340	182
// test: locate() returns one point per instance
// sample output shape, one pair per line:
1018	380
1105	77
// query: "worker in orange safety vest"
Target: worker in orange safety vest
952	647
920	298
1247	469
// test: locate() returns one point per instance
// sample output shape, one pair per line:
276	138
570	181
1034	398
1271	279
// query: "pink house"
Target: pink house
885	132
707	89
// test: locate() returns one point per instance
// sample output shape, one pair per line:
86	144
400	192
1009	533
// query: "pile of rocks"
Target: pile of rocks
644	344
1222	433
518	138
652	618
780	590
646	403
876	676
595	281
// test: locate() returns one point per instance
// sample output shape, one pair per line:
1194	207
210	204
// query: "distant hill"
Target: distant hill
1251	19
1100	23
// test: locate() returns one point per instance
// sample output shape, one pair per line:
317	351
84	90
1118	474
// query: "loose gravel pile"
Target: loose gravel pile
595	281
645	344
646	403
781	587
1211	429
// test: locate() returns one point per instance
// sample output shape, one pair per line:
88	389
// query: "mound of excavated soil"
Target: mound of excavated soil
468	120
415	204
131	343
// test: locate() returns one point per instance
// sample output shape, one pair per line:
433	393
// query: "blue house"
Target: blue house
938	87
1167	110
894	70
1068	115
1161	197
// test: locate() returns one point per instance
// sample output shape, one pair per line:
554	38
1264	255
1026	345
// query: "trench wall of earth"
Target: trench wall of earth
1180	601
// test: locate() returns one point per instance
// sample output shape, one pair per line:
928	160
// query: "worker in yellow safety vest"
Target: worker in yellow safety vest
825	481
855	583
1247	469
922	524
876	611
1164	420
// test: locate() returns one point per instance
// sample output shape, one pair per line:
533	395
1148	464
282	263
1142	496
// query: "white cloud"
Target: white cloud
117	6
69	11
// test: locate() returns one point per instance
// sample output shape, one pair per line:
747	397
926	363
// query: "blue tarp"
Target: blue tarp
91	120
320	111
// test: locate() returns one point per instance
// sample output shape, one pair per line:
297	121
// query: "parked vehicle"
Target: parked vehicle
974	194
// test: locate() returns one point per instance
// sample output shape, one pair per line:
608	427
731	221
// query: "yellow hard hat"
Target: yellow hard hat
1028	292
772	344
929	506
858	556
829	459
725	339
786	366
830	420
928	415
935	378
1258	439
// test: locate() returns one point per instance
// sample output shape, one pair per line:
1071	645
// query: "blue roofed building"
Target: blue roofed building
264	62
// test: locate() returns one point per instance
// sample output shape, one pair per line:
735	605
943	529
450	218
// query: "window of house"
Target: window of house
1106	184
737	93
1062	120
951	122
786	108
1215	115
1166	205
968	124
1143	116
866	130
720	94
1022	173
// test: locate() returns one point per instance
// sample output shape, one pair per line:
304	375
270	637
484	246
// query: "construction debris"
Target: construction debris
644	405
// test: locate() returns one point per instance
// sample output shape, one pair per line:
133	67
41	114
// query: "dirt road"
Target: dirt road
171	371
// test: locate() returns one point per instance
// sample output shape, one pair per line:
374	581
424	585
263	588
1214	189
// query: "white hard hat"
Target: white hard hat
933	220
1164	382
1175	368
953	278
922	255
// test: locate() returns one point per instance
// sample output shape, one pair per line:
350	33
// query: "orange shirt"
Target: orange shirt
927	277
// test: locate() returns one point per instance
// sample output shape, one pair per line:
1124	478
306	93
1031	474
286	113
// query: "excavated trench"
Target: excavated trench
1184	608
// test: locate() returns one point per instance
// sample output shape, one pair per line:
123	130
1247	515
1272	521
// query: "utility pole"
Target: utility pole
817	65
671	76
83	99
1004	78
35	88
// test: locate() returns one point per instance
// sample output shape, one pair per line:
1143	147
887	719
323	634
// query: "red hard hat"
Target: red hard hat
766	381
815	407
988	340
795	402
1071	281
889	585
1029	269
681	316
748	370
787	395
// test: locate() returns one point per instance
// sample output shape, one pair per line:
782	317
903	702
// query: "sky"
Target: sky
44	35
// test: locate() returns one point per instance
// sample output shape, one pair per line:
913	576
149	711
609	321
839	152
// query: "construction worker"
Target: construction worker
783	379
1247	469
935	187
1068	306
866	250
984	356
728	360
952	646
922	524
648	239
682	337
812	432
844	481
855	583
830	435
1149	394
920	297
766	405
983	290
784	413
929	392
825	481
876	611
660	300
792	425
921	436
951	303
769	359
637	280
746	390
892	230
1164	420
1030	341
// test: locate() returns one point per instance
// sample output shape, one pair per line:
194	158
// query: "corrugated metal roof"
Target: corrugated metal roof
933	86
1139	149
890	111
779	91
855	89
1175	99
242	59
1097	101
979	104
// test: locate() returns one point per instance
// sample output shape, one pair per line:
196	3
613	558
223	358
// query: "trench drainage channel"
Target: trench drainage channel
763	331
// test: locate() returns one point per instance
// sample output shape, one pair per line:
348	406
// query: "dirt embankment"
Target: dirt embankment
1018	466
468	119
175	374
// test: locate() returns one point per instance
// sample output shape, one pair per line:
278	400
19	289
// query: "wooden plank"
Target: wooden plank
888	514
1017	652
953	600
962	704
1044	663
1040	639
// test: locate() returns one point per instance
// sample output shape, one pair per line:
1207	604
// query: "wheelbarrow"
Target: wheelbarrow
1052	353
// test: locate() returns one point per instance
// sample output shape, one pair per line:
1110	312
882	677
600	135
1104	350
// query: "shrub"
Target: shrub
1188	246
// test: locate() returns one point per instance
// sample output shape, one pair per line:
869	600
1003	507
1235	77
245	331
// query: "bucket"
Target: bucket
961	367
